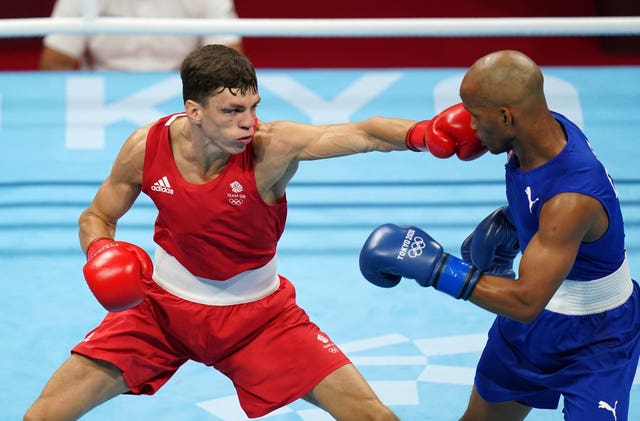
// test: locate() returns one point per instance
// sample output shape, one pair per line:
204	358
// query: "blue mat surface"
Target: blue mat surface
60	132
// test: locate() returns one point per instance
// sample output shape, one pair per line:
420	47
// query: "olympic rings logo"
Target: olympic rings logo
416	247
236	202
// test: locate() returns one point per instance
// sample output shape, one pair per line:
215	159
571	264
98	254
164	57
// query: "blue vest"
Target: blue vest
576	169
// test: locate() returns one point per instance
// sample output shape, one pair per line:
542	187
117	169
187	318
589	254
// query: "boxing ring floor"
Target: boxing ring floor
417	347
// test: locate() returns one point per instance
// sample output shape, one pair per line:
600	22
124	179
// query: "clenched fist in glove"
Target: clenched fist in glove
447	133
392	252
493	245
114	272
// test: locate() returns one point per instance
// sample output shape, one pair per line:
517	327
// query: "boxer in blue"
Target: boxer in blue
569	323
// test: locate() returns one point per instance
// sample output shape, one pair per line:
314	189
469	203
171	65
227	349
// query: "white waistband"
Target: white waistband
245	287
579	298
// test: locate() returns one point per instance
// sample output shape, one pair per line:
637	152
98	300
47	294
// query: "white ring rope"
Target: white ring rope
396	27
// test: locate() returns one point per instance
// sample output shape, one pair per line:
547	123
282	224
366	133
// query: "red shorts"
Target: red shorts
269	348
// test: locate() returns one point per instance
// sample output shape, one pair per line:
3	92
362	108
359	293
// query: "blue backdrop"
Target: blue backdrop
59	133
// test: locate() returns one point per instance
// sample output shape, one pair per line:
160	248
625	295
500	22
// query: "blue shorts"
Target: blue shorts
589	360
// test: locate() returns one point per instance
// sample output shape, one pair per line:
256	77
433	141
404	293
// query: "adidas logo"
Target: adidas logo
162	185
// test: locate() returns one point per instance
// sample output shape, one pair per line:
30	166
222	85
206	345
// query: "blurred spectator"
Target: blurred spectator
139	52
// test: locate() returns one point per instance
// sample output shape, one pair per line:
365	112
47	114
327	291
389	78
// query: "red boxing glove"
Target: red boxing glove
114	272
447	133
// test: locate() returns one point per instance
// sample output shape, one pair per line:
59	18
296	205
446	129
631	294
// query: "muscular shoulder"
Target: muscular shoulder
137	141
130	160
281	139
574	215
276	147
285	132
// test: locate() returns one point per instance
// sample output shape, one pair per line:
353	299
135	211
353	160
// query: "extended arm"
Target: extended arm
446	134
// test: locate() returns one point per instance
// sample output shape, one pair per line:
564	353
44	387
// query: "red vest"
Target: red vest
217	229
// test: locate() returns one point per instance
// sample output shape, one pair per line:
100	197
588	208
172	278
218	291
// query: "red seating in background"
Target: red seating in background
434	52
22	53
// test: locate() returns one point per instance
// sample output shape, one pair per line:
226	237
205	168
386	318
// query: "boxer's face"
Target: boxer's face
490	127
228	119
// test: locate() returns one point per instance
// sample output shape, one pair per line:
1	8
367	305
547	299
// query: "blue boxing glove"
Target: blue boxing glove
392	252
493	245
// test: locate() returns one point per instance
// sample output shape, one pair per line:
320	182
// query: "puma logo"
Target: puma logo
527	191
606	406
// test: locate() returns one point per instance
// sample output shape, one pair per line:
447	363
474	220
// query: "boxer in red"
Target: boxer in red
218	177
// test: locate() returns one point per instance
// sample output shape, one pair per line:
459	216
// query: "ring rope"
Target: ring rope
396	27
